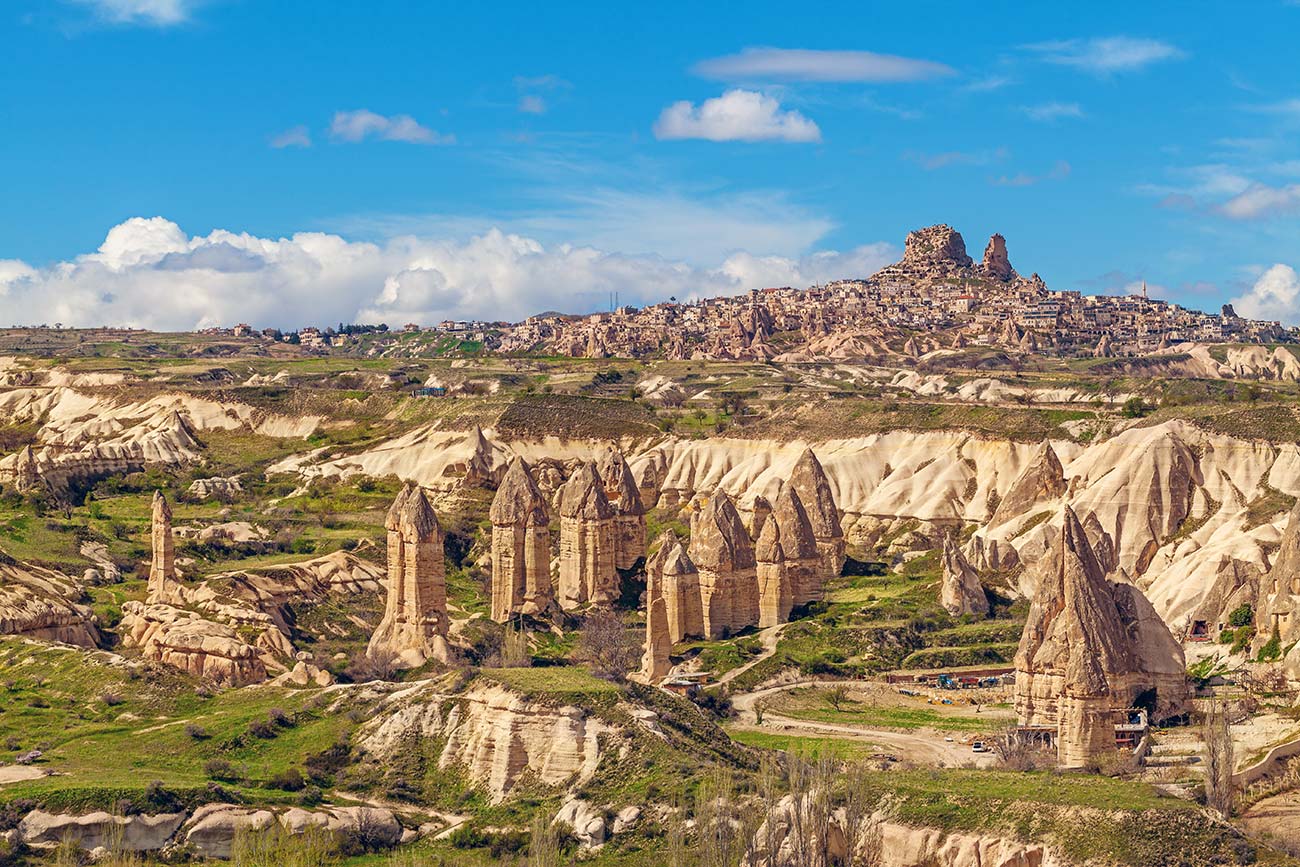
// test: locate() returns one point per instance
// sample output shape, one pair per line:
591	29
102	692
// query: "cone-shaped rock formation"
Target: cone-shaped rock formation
722	551
162	569
814	489
804	563
521	545
629	520
655	663
961	592
775	594
1042	480
587	567
670	573
414	626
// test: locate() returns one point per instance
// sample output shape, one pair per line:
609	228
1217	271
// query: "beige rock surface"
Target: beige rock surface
670	573
415	624
162	567
521	546
961	592
721	550
44	604
587	542
655	662
806	559
629	519
809	481
1041	481
775	590
182	639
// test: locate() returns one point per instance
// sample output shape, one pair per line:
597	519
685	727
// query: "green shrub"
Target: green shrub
1241	616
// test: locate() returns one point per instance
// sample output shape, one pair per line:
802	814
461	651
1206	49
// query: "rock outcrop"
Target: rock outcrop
1279	598
805	566
222	488
521	546
629	520
162	568
996	265
809	481
414	627
1089	651
961	592
775	593
670	573
1041	481
721	550
208	650
655	662
41	603
587	546
138	833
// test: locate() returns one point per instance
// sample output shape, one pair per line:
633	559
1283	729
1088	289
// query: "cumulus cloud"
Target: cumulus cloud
799	64
149	273
155	13
1262	200
362	124
1051	111
1275	296
293	137
737	115
1106	55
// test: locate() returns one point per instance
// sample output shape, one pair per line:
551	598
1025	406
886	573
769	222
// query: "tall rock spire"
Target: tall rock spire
814	489
521	546
775	594
414	626
672	574
803	558
722	551
629	520
961	592
1041	481
655	663
587	568
162	569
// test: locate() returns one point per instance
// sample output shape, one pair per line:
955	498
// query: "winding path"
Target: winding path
922	749
767	639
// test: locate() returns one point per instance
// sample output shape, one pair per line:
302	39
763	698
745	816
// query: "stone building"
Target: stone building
1091	651
722	551
521	546
587	547
414	627
814	489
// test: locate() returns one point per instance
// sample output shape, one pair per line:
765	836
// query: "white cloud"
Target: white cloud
1275	296
1051	111
156	13
737	115
1106	55
1059	171
150	273
801	64
355	126
1262	200
532	104
293	137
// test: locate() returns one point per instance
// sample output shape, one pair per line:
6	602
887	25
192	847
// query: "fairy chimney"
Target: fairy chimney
775	594
629	519
671	574
758	516
413	630
655	663
1090	649
721	550
961	592
162	570
587	566
521	546
27	472
803	559
814	489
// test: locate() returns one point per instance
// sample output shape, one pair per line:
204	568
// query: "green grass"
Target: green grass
839	748
553	681
811	704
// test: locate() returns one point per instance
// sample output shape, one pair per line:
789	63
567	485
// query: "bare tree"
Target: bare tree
1219	792
837	695
861	830
610	647
543	844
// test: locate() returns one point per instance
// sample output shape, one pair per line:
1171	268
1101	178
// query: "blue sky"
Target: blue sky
182	162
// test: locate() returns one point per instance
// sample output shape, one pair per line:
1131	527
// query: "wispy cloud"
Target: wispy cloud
293	137
1286	108
1106	55
802	64
362	124
153	13
1052	111
532	104
930	162
737	115
1262	200
1060	171
988	84
532	89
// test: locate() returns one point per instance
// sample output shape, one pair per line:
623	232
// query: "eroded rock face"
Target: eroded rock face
212	830
1089	650
805	567
672	574
41	603
414	626
775	593
655	662
1041	481
222	488
809	481
721	550
961	592
587	546
1279	598
629	519
182	639
996	265
521	546
162	568
937	247
138	833
496	735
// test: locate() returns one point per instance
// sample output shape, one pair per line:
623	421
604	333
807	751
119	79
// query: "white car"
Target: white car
979	747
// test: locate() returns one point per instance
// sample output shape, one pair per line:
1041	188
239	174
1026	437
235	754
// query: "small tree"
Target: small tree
1134	407
608	645
837	695
1219	794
